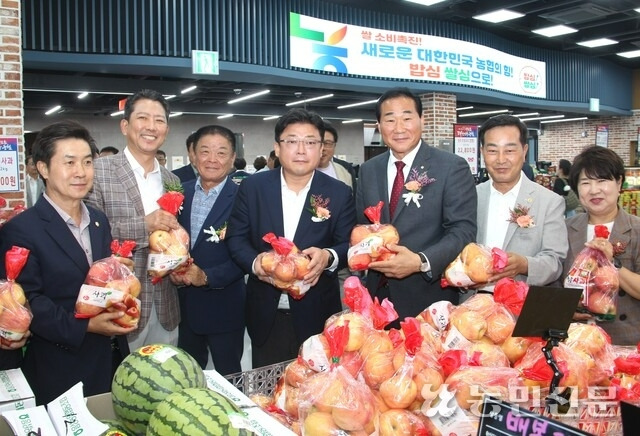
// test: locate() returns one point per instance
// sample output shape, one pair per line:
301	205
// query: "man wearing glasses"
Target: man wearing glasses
332	166
280	202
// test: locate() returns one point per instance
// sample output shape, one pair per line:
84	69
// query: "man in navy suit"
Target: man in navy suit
435	219
188	172
212	291
64	237
279	201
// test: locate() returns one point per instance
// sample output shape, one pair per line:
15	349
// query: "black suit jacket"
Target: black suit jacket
219	307
258	210
60	352
185	173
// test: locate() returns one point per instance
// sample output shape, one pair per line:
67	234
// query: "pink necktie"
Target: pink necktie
398	183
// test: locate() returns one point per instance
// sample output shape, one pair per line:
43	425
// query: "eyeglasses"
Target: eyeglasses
293	142
329	144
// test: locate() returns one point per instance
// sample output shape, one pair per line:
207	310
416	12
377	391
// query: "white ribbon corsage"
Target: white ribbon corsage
414	185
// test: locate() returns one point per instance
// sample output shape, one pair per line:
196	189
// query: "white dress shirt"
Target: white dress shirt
150	187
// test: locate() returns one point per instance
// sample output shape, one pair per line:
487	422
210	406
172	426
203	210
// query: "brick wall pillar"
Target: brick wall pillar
439	114
11	109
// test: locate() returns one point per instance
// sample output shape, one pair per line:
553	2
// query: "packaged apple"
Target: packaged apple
473	266
369	242
333	401
366	319
111	286
598	278
15	318
286	265
168	250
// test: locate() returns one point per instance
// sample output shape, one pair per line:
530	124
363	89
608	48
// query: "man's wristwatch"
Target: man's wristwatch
331	259
617	263
425	266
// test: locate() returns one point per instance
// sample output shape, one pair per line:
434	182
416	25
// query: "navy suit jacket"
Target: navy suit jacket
219	307
185	173
440	228
60	352
257	211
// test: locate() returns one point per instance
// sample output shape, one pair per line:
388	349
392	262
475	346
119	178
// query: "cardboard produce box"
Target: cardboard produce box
15	392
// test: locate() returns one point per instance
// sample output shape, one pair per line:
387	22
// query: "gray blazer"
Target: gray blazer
440	228
545	244
115	192
625	329
39	190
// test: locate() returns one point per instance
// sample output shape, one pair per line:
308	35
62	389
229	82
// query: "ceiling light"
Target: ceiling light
189	89
548	117
115	114
499	16
501	111
564	120
82	95
169	97
175	114
53	110
630	54
464	108
345	106
222	117
425	2
637	9
530	114
247	97
597	42
352	121
272	117
552	31
293	103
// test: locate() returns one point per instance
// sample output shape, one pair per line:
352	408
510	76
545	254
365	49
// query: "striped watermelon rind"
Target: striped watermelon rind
195	412
146	377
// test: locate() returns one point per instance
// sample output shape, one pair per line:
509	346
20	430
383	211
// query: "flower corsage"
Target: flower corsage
414	185
216	235
319	208
520	215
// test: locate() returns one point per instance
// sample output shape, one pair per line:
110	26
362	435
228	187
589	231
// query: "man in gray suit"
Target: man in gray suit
126	188
520	216
435	216
33	182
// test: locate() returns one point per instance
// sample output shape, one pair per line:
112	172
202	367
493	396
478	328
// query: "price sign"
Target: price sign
503	418
9	165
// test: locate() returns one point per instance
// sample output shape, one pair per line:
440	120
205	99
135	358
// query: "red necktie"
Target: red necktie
396	190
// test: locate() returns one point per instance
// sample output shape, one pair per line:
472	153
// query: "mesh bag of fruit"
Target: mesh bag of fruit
286	265
15	318
598	278
168	250
368	242
111	286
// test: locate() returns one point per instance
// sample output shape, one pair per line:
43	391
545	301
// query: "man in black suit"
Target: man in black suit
279	201
188	172
213	290
435	215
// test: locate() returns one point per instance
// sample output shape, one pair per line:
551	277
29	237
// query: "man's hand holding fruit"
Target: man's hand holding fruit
404	263
160	220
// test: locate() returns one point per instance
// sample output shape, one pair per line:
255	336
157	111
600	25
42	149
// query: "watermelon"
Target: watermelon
146	377
196	412
116	428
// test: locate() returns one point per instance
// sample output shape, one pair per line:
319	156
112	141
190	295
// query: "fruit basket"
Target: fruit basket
261	380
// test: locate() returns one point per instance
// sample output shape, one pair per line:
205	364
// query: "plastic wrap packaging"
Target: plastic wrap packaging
593	345
369	242
473	266
15	318
111	286
333	402
626	378
168	250
598	278
286	265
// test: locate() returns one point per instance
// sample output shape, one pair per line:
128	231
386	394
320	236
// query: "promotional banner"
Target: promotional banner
465	144
343	48
9	165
